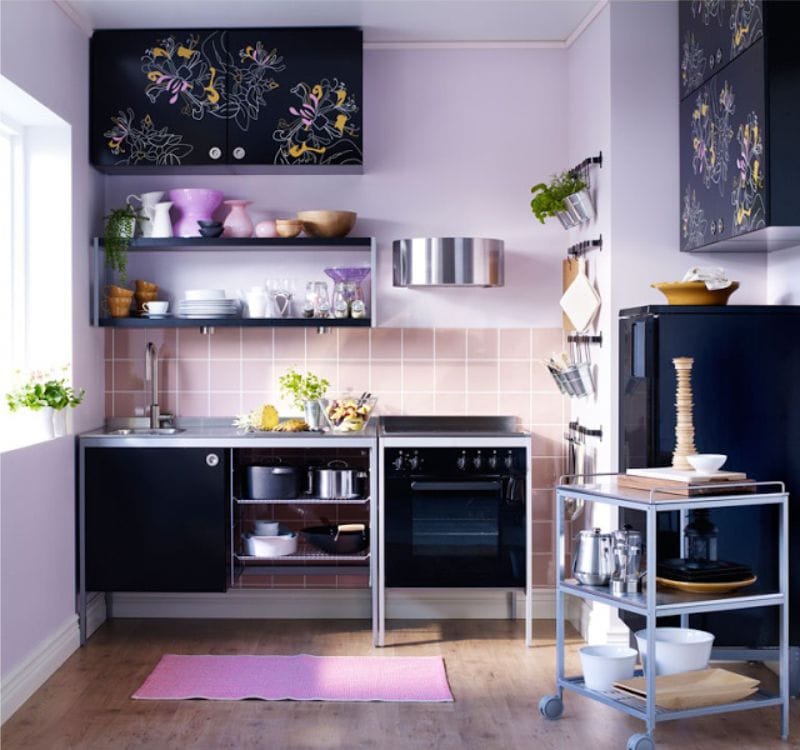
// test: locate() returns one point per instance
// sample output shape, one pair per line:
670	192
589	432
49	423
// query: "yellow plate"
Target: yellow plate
707	588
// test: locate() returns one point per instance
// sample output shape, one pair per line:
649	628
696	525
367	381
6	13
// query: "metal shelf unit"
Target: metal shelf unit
309	560
654	603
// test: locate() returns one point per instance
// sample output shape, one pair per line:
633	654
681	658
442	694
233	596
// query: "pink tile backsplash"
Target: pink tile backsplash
412	371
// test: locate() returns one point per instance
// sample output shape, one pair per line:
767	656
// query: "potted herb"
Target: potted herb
565	197
46	396
305	391
119	231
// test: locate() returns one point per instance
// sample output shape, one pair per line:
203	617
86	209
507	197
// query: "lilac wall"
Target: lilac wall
454	139
46	55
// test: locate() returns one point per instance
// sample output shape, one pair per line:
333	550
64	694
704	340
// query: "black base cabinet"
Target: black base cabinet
156	519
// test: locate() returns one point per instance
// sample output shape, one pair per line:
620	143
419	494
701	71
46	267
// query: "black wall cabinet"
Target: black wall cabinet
739	145
156	519
281	98
713	33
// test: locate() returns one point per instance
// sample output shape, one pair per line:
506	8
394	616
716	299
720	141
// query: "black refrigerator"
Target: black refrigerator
746	388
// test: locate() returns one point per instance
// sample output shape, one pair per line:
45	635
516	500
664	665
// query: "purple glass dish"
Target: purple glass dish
193	205
354	275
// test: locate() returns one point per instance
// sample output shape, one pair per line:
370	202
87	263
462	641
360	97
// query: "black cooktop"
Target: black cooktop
435	425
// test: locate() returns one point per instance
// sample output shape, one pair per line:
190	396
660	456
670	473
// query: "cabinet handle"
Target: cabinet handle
719	55
238	153
711	60
215	152
720	226
212	459
713	227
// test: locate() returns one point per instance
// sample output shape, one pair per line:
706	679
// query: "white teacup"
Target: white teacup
156	307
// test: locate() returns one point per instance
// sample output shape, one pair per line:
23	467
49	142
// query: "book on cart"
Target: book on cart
684	483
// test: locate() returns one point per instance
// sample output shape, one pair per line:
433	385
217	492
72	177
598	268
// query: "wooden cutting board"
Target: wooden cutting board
581	301
569	270
702	687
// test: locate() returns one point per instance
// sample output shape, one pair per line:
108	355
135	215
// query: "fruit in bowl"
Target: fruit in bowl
349	413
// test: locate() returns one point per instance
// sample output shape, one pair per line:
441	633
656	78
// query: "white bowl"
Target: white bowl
604	665
266	528
678	649
270	546
205	294
707	463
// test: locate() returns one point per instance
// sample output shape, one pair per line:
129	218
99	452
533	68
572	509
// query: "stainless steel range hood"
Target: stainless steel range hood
448	261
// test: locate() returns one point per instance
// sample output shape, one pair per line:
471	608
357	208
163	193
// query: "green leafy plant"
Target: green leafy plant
548	200
119	230
43	389
301	388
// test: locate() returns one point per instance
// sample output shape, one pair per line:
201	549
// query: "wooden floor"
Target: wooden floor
496	682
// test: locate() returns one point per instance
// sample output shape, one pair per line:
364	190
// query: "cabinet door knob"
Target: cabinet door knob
212	459
711	60
713	227
719	55
215	152
238	153
720	226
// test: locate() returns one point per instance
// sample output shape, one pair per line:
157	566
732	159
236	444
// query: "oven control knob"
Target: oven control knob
413	462
508	460
461	461
492	460
477	461
398	462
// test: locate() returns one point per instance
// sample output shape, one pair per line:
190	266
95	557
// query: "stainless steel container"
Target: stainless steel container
270	482
448	261
336	481
593	563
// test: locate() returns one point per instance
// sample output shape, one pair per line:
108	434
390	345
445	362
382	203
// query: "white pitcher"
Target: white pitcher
148	203
161	225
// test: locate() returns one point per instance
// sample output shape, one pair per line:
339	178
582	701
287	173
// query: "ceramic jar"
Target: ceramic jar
193	205
237	222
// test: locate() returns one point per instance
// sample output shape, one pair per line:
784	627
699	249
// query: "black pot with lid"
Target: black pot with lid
271	482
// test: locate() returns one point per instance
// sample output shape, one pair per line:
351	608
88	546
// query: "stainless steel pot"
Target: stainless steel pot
593	563
336	481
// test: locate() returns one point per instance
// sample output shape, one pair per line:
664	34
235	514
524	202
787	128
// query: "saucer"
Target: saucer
155	315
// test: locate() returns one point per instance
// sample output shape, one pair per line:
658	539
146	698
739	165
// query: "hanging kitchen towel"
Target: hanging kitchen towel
713	276
581	301
569	270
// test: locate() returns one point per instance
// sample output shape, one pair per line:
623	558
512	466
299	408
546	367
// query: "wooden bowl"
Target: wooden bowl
694	293
327	223
287	228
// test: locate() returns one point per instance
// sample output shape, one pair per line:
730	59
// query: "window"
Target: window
35	242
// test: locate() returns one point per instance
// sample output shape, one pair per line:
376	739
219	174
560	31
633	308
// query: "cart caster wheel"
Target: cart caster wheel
551	707
640	742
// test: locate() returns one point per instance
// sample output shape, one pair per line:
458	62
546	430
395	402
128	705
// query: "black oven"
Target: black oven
454	517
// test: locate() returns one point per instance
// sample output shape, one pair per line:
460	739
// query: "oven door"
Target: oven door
454	532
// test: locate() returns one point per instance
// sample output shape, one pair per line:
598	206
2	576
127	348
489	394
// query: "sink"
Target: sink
137	431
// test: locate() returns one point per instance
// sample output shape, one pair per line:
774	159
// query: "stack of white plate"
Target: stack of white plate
207	303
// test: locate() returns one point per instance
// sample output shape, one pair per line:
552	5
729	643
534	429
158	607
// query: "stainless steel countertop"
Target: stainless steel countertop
219	433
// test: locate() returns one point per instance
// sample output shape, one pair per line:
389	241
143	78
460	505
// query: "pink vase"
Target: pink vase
237	222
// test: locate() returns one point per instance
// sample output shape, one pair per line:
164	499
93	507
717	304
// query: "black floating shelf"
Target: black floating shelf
580	248
245	243
134	322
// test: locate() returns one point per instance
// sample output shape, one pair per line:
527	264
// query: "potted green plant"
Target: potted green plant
304	391
46	396
119	231
565	197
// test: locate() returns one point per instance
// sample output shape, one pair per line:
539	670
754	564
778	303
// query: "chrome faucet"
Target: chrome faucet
151	376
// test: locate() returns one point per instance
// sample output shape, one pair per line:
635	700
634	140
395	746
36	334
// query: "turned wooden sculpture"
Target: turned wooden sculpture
684	424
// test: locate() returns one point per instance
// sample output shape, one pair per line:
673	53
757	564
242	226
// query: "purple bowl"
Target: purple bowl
193	205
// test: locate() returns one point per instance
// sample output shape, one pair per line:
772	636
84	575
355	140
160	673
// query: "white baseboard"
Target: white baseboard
26	678
95	612
423	604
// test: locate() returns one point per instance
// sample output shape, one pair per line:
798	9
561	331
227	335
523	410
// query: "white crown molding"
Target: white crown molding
26	678
586	22
465	45
78	17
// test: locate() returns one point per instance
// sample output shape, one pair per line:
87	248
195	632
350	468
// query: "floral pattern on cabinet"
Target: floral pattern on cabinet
749	212
712	134
144	143
693	221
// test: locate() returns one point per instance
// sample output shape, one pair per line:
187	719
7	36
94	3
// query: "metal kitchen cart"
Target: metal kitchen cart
652	603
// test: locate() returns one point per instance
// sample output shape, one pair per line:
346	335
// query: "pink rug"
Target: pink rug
301	678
